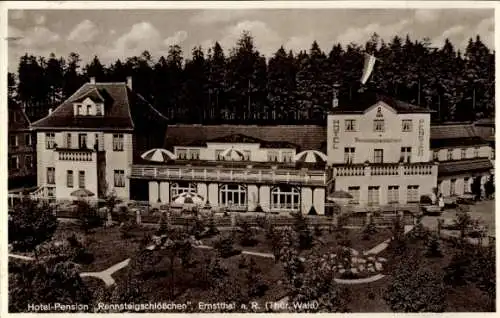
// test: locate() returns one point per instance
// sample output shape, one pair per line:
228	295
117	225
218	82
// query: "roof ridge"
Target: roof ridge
58	108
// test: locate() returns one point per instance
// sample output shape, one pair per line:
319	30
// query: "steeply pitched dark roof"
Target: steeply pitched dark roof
448	168
304	137
455	135
116	115
361	101
123	109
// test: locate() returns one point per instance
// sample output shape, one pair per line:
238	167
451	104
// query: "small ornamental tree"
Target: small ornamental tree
301	227
45	282
415	289
88	217
463	221
224	247
247	235
30	224
256	284
433	247
316	283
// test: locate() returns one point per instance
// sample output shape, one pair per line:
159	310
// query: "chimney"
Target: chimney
92	80
129	82
50	111
335	101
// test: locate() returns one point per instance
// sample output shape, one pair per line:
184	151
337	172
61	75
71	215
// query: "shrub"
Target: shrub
301	227
433	247
457	272
224	247
127	228
256	284
45	282
30	224
88	216
163	226
415	289
247	236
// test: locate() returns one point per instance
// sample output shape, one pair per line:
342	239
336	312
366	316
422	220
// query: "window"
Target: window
452	186
349	155
287	156
13	162
354	192
80	110
194	154
50	140
449	155
285	198
82	141
69	179
88	109
435	155
373	195
96	142
13	142
463	153
178	188
119	178
393	194
233	194
412	193
98	111
405	154
407	125
350	125
378	125
466	185
28	161
68	140
182	154
27	139
272	155
117	142
51	171
476	152
378	156
246	155
81	179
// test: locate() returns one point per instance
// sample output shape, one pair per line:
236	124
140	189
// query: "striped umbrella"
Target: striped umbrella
233	154
158	155
188	198
82	193
311	156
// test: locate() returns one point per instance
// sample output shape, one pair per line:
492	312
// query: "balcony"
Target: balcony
69	154
389	169
226	174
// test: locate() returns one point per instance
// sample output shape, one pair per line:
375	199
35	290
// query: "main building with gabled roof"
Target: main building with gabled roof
88	142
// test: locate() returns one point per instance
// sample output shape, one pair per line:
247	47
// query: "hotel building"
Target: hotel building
379	152
88	142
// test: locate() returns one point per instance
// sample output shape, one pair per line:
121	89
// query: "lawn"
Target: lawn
106	244
109	247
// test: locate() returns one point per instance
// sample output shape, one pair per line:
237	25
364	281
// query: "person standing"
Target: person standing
441	202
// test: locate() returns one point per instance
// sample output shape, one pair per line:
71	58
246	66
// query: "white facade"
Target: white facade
380	156
67	156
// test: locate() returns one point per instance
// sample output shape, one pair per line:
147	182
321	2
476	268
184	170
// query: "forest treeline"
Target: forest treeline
245	87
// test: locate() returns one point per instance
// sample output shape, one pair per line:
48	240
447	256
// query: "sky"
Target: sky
112	34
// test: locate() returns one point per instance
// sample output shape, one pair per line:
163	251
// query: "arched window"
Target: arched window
178	188
233	194
285	198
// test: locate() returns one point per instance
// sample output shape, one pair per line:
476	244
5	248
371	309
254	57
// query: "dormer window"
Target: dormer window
79	110
89	107
98	110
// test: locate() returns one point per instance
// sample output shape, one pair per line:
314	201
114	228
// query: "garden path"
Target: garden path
106	275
